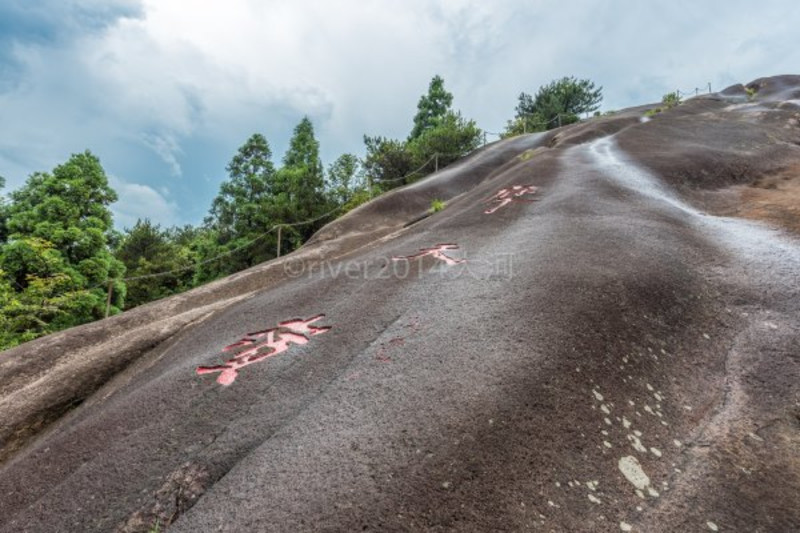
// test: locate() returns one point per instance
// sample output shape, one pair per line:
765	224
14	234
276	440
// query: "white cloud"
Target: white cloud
137	201
167	148
157	93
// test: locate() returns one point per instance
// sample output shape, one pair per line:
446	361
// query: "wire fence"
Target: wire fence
109	283
435	158
693	92
555	120
278	227
225	253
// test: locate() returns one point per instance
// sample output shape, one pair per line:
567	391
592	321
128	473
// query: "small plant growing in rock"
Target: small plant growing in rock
670	100
437	205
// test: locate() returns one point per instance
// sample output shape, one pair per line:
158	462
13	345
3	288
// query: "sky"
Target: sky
165	91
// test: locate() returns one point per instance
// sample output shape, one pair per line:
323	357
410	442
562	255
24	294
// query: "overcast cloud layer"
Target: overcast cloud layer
164	91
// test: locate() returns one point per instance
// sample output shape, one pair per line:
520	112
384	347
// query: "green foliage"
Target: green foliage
237	207
56	259
243	210
53	297
440	136
146	249
345	176
7	299
432	107
449	140
527	155
437	205
360	196
751	92
257	198
69	208
386	161
670	100
302	183
556	104
212	257
3	215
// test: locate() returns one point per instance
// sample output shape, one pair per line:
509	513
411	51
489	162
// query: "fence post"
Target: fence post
279	241
108	298
709	87
559	119
436	162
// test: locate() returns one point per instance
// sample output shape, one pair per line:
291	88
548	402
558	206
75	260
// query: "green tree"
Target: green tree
432	107
57	260
8	337
241	212
69	209
558	103
303	151
3	215
439	137
52	298
237	209
213	259
344	178
301	186
146	249
451	138
387	161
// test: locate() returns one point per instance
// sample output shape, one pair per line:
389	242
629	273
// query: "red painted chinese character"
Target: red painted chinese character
263	344
508	195
436	252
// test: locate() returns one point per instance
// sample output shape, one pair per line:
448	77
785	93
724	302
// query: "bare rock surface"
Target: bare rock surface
614	348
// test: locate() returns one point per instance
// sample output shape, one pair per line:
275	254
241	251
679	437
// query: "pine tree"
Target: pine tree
242	212
301	185
432	107
558	103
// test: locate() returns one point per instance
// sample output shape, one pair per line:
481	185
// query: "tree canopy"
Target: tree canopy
59	251
242	211
439	136
450	139
344	178
57	262
302	186
558	103
432	107
146	249
256	198
238	208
